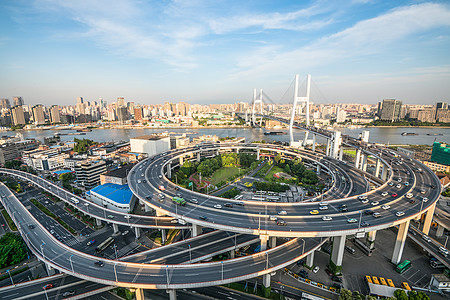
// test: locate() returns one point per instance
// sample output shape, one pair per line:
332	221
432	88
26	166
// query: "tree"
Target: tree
345	295
287	169
400	295
13	164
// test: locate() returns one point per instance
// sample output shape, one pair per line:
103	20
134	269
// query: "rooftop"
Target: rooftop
120	172
118	193
149	137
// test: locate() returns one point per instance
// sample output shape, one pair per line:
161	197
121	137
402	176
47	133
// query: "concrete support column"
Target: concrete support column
232	254
159	213
198	156
147	208
98	222
49	269
341	153
305	140
371	239
310	259
384	172
163	236
258	152
428	219
181	160
237	150
440	231
169	170
314	143
264	239
337	254
364	162
139	294
272	241
377	168
266	281
138	232
327	151
357	158
172	294
196	230
115	227
400	242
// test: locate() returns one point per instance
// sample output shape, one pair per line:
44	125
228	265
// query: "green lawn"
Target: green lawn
224	174
274	170
350	152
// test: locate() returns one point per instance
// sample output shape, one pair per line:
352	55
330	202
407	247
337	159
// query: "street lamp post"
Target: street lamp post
71	264
115	272
115	250
360	217
222	270
190	254
12	282
42	250
87	207
446	239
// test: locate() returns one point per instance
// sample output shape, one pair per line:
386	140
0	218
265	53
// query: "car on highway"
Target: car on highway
426	238
384	194
160	176
399	186
68	293
229	205
240	203
204	218
391	183
127	217
314	212
316	269
174	221
385	206
125	232
110	217
424	199
139	181
90	242
399	213
422	191
364	201
394	195
327	218
368	212
375	203
365	224
282	212
376	215
31	226
281	222
47	286
323	207
343	208
217	206
443	251
362	197
195	201
352	220
273	218
409	195
407	183
99	263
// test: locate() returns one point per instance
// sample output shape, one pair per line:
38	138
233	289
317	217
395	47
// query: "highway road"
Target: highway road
56	254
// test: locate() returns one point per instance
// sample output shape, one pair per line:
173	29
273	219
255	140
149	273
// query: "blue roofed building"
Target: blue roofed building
113	196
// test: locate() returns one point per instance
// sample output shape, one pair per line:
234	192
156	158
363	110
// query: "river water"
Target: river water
383	135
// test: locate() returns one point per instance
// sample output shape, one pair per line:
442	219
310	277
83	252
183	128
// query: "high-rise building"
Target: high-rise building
81	106
138	113
440	106
120	101
38	114
18	101
122	114
390	110
88	173
55	116
18	115
5	104
80	100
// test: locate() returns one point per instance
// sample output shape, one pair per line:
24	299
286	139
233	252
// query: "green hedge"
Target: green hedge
12	250
8	219
53	216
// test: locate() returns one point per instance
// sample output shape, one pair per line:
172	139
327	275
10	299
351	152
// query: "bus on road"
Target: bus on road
104	245
402	267
179	201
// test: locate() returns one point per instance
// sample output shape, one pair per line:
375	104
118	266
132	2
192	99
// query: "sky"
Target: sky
150	52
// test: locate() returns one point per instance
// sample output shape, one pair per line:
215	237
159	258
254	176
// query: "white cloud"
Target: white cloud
364	38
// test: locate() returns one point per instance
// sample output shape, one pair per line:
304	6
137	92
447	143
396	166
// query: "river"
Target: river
383	135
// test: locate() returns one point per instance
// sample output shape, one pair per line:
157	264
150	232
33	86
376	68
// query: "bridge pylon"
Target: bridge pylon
298	99
255	102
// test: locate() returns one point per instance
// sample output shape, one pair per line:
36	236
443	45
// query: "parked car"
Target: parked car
316	269
336	278
303	274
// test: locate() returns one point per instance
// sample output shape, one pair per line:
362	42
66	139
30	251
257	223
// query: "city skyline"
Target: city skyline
358	52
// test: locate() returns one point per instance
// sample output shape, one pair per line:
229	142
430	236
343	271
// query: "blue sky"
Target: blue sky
358	51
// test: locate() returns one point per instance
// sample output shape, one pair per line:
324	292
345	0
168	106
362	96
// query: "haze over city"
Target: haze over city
149	52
